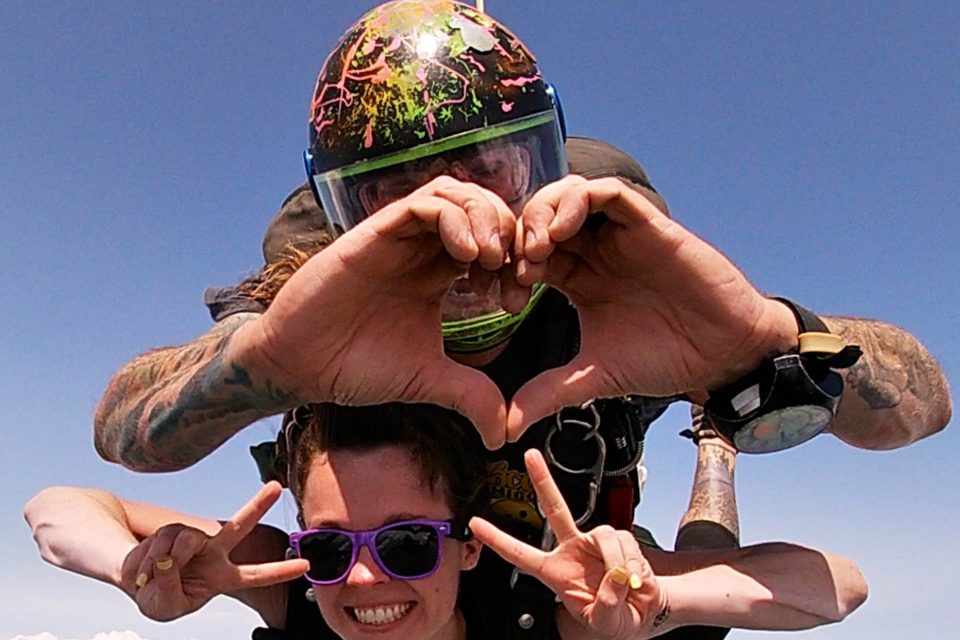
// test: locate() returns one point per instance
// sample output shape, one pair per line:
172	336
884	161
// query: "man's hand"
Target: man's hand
661	311
601	577
359	323
179	568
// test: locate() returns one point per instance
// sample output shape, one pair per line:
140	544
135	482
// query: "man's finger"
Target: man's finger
489	217
533	240
623	205
521	555
243	521
513	295
415	215
166	576
471	394
549	499
159	547
130	568
549	392
188	543
539	216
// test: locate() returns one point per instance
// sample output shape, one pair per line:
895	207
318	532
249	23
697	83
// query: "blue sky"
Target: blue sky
145	146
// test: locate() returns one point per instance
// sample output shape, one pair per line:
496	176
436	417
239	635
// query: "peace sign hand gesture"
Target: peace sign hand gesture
179	568
601	577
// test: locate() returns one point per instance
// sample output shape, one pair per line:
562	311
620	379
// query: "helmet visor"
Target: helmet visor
512	160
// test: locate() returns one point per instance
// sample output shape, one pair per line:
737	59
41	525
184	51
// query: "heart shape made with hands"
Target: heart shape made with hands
661	312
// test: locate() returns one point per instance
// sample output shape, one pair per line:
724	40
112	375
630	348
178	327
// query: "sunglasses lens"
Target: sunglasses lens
329	554
409	550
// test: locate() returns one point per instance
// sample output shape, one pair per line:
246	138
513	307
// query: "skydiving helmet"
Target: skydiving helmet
421	88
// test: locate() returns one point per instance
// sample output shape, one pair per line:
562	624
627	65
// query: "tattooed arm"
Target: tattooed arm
172	406
896	394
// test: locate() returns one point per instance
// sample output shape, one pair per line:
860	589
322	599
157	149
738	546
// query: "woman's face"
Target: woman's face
363	491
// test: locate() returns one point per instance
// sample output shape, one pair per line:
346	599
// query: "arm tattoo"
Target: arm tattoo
172	406
895	380
712	498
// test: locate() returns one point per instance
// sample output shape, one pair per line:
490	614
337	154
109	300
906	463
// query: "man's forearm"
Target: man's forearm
171	407
896	393
773	586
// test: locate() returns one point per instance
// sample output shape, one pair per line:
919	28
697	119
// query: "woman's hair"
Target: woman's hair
444	446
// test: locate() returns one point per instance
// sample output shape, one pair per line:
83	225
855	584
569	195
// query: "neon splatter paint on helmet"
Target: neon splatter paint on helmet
415	71
420	88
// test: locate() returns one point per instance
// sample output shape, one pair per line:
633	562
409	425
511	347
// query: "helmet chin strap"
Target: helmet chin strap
487	331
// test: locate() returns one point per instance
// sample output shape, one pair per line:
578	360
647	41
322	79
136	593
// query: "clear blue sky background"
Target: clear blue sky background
144	146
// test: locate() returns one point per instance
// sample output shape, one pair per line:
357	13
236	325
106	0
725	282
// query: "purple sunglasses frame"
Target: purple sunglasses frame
443	528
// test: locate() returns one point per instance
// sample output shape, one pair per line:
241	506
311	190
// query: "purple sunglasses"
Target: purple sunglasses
405	550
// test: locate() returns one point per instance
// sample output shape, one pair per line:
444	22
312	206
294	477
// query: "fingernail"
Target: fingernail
141	581
165	565
619	575
529	237
635	581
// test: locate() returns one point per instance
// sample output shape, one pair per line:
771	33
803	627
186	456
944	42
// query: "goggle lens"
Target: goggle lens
503	169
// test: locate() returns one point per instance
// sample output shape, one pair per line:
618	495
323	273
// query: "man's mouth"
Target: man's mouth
467	299
380	614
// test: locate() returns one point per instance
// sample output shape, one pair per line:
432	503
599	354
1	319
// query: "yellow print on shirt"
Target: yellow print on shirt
512	498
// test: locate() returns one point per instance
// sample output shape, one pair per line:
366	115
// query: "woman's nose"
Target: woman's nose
365	571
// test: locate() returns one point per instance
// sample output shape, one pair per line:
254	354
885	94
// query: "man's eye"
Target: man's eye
486	169
399	188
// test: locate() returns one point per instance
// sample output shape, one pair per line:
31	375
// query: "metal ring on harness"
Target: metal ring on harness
595	471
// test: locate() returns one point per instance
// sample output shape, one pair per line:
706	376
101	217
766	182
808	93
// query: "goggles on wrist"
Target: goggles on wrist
405	550
788	399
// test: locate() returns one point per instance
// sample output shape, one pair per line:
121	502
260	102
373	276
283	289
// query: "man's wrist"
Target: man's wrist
791	396
248	366
775	334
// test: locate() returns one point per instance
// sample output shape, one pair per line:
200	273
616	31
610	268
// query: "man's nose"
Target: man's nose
365	571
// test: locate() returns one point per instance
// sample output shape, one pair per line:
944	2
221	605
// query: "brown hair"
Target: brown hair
445	447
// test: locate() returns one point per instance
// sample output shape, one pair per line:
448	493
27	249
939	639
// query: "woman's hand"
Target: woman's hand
179	568
601	577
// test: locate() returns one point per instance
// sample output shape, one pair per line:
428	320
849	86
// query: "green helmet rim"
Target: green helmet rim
487	331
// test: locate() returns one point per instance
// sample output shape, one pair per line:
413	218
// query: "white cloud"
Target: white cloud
112	635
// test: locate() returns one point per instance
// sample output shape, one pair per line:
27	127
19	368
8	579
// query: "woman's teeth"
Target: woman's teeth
380	615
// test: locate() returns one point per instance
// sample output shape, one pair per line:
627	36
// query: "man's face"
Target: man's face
502	168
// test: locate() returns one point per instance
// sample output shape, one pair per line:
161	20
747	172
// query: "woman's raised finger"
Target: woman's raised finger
551	503
246	518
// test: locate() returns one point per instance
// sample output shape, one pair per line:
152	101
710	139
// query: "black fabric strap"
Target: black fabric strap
806	320
809	321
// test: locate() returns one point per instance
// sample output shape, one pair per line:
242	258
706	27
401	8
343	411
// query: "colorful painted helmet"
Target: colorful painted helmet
420	88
